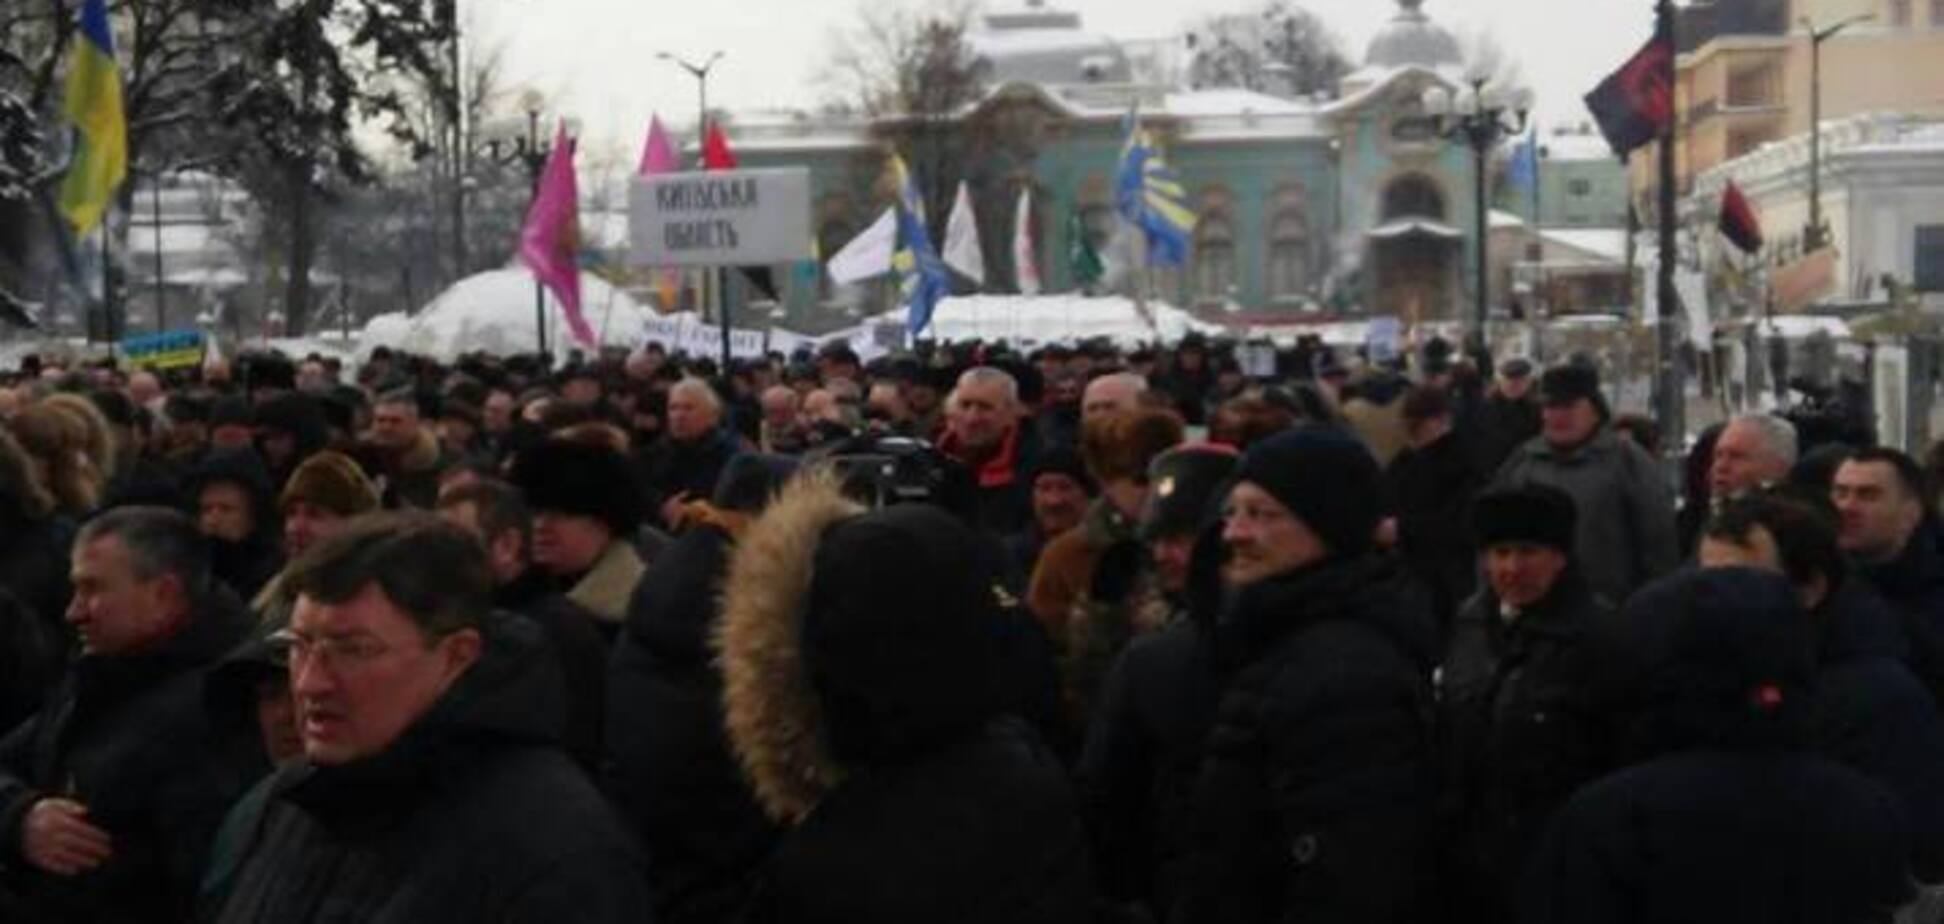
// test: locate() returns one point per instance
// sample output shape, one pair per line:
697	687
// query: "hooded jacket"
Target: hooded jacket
248	565
129	738
1624	534
473	814
1735	818
1316	795
858	656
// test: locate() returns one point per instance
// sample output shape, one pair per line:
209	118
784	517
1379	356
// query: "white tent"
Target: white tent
1054	319
384	330
493	312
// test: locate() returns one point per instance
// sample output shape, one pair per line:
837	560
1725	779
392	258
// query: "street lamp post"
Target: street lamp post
1817	234
701	74
532	154
1479	116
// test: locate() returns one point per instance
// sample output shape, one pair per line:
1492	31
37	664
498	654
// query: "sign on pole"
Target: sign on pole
721	218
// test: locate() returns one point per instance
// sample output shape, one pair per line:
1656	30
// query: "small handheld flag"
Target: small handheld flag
93	102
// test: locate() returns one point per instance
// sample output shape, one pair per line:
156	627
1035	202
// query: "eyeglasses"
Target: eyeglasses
333	654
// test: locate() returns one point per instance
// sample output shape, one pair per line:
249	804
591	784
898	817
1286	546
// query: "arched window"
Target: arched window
1214	259
1289	246
1413	196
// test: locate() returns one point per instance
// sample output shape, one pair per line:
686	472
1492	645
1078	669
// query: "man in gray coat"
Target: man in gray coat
1625	533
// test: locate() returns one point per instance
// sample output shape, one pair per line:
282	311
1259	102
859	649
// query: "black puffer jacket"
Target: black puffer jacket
249	564
1316	799
474	814
673	777
1913	583
1874	716
1529	711
576	642
1736	819
1143	752
1429	491
129	738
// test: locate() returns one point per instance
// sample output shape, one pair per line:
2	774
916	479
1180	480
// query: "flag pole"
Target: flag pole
1670	385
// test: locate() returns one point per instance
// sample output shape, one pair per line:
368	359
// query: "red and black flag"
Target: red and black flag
1738	220
1636	103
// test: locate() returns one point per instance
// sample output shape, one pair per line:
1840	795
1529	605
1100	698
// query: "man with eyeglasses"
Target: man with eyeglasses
433	785
1316	789
111	794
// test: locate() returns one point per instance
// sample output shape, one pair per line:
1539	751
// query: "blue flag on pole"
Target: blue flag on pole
1523	172
1151	197
926	280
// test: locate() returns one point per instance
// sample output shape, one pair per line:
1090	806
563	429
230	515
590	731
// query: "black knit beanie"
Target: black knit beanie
1326	478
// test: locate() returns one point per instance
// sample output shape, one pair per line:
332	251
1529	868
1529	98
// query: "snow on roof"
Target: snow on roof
493	311
1008	42
1576	147
1232	101
1802	326
1504	219
1605	243
1053	319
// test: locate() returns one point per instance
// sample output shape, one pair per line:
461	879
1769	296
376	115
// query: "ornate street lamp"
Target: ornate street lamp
1479	115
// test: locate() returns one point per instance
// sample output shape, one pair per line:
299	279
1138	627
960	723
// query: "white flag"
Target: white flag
962	251
869	253
1025	267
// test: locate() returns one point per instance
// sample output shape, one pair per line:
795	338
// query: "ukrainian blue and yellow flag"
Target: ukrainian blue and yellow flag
94	105
1151	196
926	281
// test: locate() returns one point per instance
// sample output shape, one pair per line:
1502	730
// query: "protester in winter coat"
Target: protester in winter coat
410	450
235	507
1531	704
33	555
1872	714
985	432
585	511
1117	448
56	440
1736	819
1316	797
858	652
685	464
289	429
1626	533
494	513
110	795
1144	742
673	777
433	787
1428	489
1893	539
1062	493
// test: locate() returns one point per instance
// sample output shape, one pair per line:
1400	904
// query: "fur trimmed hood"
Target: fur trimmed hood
774	718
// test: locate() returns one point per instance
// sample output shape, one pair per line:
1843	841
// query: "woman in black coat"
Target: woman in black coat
859	656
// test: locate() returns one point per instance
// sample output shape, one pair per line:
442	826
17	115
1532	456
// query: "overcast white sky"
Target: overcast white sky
598	56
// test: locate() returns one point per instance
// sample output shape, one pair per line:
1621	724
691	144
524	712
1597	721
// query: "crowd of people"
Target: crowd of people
965	634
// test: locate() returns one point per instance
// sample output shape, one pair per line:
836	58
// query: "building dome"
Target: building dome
1411	39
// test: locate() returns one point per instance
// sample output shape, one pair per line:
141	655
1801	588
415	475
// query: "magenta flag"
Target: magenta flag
658	154
657	157
550	241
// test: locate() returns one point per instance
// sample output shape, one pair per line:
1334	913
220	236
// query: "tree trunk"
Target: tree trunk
303	252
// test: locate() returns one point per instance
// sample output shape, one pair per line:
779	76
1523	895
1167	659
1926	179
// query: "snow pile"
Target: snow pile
493	312
1023	319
